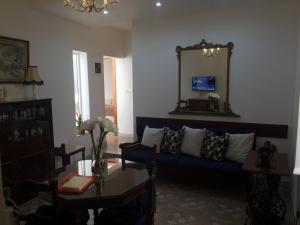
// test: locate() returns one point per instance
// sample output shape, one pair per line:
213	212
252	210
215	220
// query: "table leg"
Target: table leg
96	212
265	206
273	182
68	159
149	218
83	154
78	217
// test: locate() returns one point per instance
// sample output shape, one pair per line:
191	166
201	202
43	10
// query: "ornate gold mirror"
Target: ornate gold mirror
204	79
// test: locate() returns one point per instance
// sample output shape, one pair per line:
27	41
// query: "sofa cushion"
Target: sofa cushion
239	146
143	154
214	146
192	141
172	140
201	164
168	159
153	136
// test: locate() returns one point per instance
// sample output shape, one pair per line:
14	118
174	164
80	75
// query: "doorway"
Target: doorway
118	94
110	88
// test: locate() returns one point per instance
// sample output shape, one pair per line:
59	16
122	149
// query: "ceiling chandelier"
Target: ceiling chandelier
91	5
209	52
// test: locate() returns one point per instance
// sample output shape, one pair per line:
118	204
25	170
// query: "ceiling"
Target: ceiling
123	15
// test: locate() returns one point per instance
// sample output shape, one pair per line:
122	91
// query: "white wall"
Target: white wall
51	43
125	90
263	64
296	100
295	131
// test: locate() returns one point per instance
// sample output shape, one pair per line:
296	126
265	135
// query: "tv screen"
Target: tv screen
205	83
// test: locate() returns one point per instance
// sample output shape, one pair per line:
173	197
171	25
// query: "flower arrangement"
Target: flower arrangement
78	118
105	126
214	96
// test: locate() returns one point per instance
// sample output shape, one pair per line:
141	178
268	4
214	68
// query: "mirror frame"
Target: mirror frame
202	45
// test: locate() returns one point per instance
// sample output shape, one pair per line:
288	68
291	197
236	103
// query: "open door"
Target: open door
110	87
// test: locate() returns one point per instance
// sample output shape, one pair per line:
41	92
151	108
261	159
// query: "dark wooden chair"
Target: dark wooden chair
44	215
66	151
137	212
22	186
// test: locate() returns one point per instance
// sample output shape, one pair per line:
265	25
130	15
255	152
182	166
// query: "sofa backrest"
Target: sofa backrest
218	127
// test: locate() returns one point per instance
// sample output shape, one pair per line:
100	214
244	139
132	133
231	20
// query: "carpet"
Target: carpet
192	203
207	201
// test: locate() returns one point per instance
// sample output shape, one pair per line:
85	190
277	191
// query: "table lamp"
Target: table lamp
33	78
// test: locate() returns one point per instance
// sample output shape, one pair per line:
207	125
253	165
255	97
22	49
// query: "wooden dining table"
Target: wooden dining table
117	186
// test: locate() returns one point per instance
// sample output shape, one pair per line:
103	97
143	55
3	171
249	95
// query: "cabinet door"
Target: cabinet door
26	139
28	130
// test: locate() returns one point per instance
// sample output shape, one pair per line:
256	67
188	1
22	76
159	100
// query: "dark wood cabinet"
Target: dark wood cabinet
206	105
26	139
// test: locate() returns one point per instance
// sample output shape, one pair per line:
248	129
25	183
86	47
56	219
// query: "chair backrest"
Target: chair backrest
61	151
47	214
34	167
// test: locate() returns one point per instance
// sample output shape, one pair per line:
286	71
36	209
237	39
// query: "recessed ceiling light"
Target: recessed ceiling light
158	4
105	12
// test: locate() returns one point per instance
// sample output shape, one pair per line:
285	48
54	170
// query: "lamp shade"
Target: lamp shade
33	76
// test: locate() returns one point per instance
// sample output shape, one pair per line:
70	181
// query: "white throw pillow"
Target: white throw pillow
192	141
153	136
239	146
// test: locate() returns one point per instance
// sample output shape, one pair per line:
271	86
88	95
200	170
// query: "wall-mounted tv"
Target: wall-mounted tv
204	83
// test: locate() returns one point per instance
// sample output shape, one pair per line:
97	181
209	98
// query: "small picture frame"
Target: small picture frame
98	68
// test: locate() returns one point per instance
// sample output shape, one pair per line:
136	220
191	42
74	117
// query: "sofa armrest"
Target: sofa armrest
138	149
135	146
125	146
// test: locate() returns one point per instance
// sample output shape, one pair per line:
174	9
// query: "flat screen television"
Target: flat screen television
204	83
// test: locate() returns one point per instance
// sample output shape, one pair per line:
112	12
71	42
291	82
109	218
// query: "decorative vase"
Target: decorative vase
99	185
99	164
97	168
79	132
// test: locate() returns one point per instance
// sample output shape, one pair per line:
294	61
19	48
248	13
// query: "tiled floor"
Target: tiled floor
114	141
204	203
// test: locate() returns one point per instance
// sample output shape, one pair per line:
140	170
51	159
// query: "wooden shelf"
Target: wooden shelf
203	113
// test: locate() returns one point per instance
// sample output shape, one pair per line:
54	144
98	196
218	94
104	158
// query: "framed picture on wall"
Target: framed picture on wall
98	68
14	60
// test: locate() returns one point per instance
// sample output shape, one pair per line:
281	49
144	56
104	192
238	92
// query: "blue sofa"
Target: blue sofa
140	153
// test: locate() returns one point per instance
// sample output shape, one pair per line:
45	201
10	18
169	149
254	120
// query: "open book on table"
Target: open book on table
74	183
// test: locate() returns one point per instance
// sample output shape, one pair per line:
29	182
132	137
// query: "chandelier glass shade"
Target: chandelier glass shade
91	5
209	52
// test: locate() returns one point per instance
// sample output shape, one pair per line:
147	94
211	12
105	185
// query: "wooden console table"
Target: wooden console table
207	105
280	166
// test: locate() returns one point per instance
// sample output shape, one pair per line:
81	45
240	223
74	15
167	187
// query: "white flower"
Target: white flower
109	126
88	125
99	119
